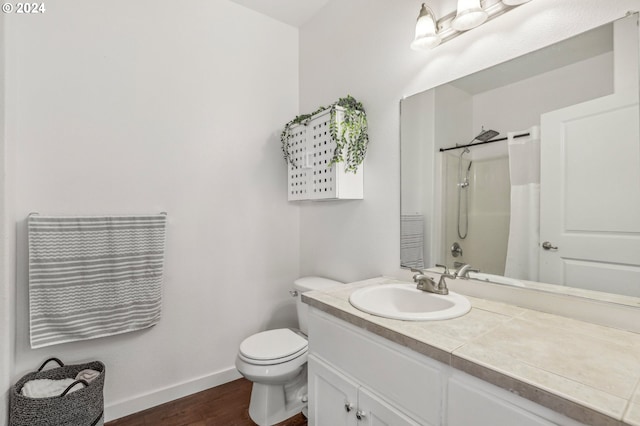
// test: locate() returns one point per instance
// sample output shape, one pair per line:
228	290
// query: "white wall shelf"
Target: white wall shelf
311	176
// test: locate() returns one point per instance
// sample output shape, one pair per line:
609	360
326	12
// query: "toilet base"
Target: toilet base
272	404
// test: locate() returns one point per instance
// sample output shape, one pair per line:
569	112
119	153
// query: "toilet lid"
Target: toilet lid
272	345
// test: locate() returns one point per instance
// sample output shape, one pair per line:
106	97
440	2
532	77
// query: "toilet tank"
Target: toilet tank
307	284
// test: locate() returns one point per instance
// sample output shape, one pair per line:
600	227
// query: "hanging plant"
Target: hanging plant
350	135
285	136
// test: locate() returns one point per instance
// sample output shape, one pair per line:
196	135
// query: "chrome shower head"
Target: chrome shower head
486	135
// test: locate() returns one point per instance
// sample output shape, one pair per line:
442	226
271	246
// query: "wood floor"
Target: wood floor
225	405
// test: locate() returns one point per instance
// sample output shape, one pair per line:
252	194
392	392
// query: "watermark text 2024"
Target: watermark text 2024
24	8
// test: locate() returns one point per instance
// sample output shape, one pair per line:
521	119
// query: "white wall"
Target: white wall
518	106
150	106
417	157
6	310
453	116
418	134
361	47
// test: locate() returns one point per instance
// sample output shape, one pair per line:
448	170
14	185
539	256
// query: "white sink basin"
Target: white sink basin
405	302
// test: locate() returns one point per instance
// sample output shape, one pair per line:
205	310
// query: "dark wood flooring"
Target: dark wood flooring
224	405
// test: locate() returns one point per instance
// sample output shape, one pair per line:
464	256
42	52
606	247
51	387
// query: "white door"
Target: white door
333	399
373	411
590	195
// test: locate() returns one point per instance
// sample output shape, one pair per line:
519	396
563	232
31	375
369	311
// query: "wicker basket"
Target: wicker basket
83	407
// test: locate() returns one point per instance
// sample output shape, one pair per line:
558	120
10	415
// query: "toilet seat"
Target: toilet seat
273	347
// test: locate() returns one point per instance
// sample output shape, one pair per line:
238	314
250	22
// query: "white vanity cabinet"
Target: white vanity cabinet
472	402
401	387
340	401
354	371
334	396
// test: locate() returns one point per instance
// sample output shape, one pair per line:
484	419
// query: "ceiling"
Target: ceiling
292	12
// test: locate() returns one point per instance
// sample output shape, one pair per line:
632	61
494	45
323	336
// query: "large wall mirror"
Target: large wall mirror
529	171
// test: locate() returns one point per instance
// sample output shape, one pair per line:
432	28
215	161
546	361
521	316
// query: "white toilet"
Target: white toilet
276	362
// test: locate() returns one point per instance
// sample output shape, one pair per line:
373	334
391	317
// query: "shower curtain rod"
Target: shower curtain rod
481	143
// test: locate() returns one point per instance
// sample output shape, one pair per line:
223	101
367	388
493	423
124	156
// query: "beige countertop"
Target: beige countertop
588	372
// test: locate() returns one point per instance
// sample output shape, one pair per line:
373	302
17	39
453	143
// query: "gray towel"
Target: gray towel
412	241
93	276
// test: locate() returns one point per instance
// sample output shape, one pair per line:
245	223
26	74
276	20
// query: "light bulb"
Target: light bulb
426	32
469	15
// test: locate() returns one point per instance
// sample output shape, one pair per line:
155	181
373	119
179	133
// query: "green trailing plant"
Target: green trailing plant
349	134
285	136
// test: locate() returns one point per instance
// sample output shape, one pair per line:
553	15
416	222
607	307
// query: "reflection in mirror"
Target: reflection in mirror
530	170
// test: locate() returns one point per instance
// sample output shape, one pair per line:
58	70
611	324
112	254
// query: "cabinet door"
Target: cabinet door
372	411
298	167
321	146
470	406
333	399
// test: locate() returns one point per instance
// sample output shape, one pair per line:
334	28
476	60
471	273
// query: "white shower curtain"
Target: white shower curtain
524	227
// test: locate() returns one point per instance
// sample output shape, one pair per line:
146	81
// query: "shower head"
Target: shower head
485	135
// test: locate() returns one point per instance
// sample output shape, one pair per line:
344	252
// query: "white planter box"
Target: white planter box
311	177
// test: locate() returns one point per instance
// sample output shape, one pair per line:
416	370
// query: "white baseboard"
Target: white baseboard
142	402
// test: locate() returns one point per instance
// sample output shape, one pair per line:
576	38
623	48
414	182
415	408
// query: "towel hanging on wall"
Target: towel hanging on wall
412	240
93	276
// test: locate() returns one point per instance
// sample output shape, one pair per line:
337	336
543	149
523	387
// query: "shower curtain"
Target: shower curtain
524	227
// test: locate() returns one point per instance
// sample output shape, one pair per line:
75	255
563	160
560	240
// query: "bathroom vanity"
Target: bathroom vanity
499	364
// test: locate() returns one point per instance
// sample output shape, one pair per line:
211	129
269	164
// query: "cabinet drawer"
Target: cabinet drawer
380	364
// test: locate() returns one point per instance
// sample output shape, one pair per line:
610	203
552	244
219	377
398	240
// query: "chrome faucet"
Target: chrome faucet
463	271
442	284
427	284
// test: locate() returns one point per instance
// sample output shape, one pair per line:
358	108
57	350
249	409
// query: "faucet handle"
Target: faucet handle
442	284
443	276
417	272
446	269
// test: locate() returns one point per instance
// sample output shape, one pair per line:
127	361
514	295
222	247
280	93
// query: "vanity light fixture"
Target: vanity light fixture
426	32
469	15
431	31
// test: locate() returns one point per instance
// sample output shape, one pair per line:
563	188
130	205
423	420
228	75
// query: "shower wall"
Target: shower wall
450	198
454	118
485	246
489	214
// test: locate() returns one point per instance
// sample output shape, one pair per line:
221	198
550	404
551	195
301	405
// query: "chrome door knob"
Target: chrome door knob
348	406
360	414
548	246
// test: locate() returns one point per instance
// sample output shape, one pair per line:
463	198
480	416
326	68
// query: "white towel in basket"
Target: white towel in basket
45	388
87	375
93	276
